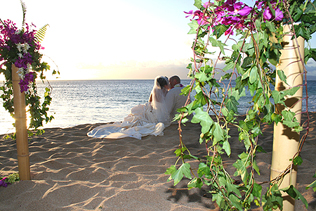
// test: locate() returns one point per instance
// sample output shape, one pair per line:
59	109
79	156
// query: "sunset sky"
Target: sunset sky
102	39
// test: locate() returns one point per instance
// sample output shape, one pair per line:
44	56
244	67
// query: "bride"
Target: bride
150	118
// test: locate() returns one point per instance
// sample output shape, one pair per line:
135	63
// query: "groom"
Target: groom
173	98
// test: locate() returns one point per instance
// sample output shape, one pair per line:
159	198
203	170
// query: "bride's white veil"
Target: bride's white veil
158	103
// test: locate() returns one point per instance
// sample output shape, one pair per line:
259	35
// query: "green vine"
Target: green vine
257	34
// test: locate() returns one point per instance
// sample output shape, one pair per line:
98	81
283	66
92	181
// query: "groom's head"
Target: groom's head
174	80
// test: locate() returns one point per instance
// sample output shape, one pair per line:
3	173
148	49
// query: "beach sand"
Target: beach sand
71	171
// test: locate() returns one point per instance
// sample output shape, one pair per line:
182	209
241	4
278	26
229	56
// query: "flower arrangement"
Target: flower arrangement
252	63
21	47
5	181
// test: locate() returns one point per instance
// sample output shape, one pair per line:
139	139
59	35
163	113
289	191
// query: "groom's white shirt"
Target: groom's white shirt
174	100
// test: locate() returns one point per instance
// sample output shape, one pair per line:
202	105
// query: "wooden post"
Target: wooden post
286	141
20	125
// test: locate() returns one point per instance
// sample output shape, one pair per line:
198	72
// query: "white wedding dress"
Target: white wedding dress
150	118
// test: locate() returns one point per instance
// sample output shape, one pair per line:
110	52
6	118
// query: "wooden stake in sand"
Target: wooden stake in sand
20	125
286	141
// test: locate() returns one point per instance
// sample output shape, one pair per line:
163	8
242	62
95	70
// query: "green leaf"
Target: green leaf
271	26
184	170
300	30
220	30
236	201
260	149
204	119
231	104
312	185
193	27
246	74
276	118
171	170
254	76
282	76
291	91
185	90
273	199
40	34
217	133
217	43
231	188
226	147
247	61
201	99
229	66
178	152
298	14
276	95
201	76
294	193
245	136
257	189
195	183
289	119
297	160
203	170
241	170
198	3
255	167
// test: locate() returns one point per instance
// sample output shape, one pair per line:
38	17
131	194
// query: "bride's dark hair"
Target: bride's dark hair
162	81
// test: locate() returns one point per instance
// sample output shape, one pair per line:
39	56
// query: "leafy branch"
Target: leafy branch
251	64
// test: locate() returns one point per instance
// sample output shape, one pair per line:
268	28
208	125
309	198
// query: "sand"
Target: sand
71	171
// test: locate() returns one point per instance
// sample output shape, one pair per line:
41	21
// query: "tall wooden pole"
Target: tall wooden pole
20	125
286	141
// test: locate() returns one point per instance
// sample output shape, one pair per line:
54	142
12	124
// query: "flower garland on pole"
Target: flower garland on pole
21	65
252	61
21	48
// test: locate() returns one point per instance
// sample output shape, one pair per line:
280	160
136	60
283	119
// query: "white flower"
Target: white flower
20	72
26	46
27	70
20	55
29	66
19	46
18	31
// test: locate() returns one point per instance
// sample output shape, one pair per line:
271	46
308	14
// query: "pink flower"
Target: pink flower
278	14
245	11
267	15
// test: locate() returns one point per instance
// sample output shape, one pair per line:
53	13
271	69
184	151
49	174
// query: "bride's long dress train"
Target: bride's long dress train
142	121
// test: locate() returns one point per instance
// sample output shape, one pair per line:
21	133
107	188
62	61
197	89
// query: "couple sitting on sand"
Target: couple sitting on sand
150	118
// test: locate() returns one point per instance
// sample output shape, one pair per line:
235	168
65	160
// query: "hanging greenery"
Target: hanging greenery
250	62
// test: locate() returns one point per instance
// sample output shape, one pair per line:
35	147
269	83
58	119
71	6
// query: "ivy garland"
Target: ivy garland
252	60
22	48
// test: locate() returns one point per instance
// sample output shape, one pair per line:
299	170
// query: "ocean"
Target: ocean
78	102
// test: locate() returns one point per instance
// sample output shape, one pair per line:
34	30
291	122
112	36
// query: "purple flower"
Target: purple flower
24	83
245	11
278	14
190	13
198	15
267	15
3	183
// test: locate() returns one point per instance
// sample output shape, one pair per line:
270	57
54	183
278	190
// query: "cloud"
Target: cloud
138	70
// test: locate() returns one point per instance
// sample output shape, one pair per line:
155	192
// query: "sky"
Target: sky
103	39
